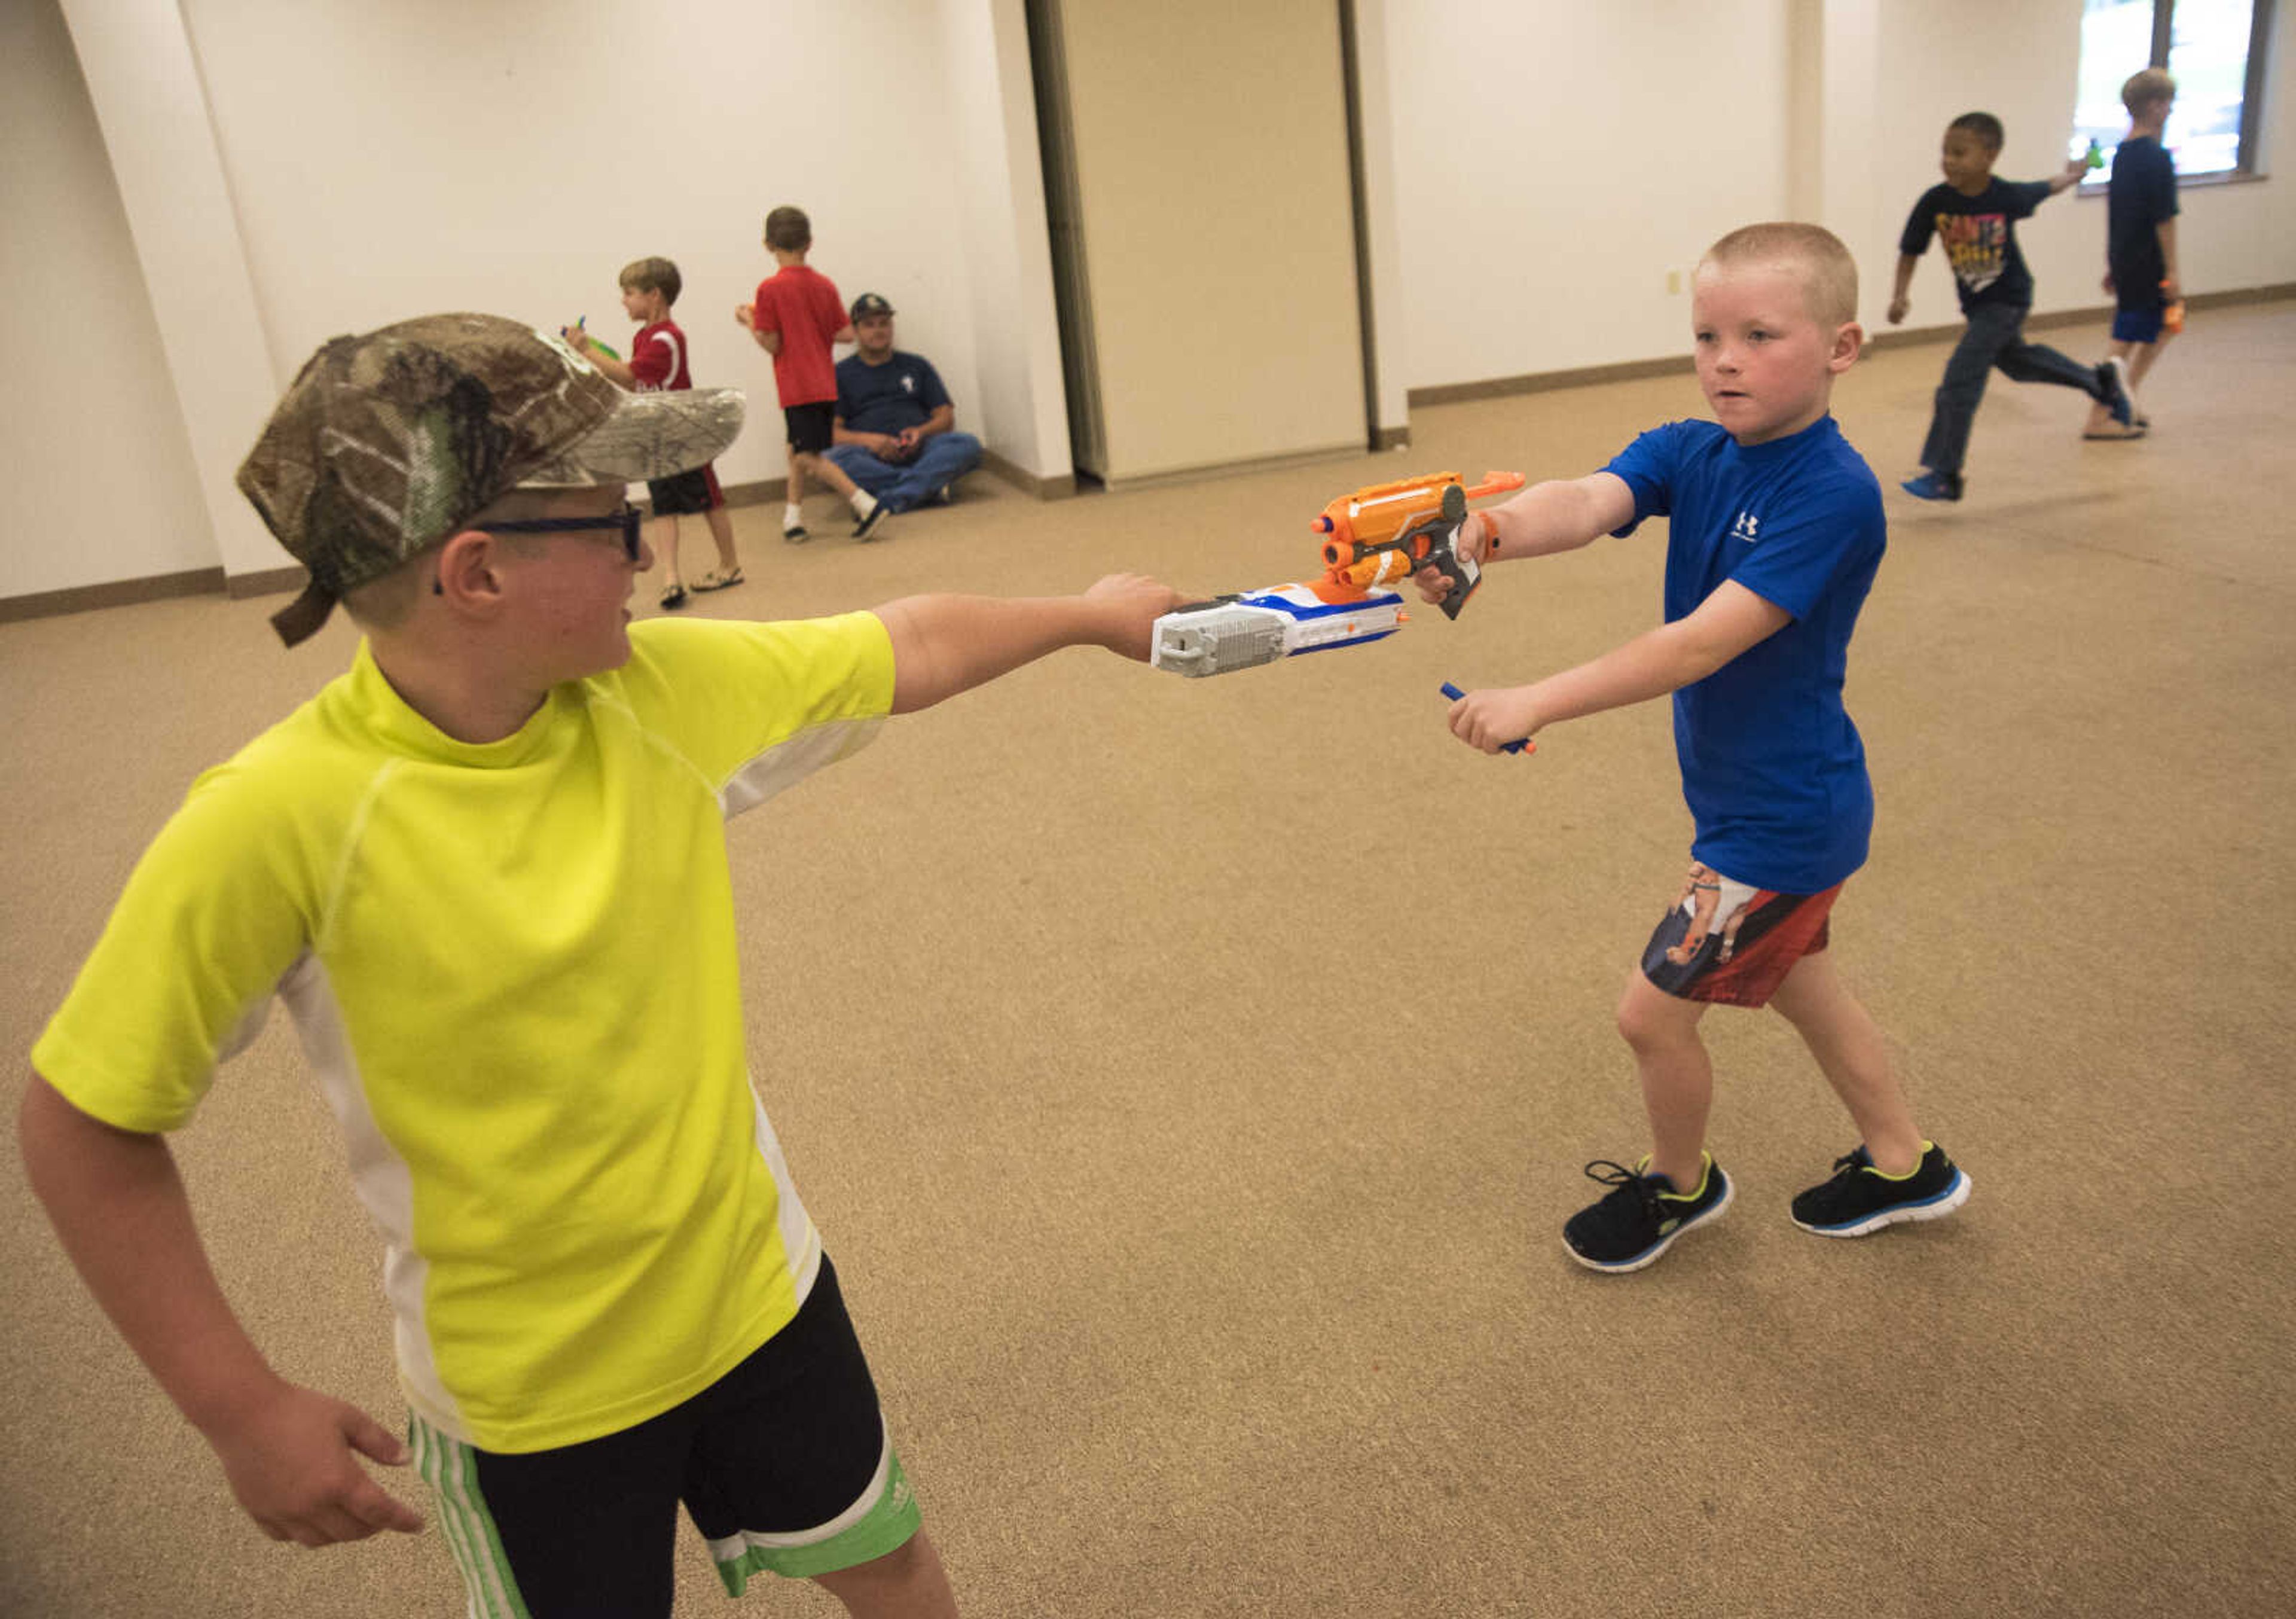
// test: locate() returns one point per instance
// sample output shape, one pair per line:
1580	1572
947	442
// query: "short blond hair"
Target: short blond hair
2150	85
1829	274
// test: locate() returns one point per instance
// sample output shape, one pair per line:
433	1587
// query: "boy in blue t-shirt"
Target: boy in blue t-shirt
1976	217
2140	243
1775	532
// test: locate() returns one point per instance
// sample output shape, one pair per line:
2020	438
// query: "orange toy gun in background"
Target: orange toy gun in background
1390	531
1375	539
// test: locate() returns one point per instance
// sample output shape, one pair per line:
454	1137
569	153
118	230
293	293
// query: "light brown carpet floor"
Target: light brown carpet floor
1190	1078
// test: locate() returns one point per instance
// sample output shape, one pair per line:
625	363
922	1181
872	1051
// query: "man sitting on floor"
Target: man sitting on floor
895	429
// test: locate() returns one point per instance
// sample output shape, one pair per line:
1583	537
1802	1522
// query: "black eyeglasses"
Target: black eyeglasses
626	518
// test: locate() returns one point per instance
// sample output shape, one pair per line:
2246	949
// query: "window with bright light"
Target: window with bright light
2215	51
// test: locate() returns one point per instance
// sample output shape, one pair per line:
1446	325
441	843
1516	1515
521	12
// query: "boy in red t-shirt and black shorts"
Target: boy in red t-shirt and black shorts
657	364
796	314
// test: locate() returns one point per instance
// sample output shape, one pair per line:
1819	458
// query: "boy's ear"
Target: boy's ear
1848	344
468	576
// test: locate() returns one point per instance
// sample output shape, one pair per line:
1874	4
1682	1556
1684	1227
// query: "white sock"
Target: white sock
791	517
864	503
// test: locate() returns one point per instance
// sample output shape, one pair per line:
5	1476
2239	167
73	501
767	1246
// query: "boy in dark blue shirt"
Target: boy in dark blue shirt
2140	242
1775	532
1977	215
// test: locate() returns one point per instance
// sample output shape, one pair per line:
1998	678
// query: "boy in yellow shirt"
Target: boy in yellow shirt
486	870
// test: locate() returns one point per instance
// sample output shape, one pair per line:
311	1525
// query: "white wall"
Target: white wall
1545	165
1555	160
104	487
512	156
363	163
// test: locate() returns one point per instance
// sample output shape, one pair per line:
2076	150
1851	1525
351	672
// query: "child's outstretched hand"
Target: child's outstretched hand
1496	715
1129	604
1897	307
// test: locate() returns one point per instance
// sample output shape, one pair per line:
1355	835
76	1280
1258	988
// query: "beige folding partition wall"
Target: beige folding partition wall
1209	298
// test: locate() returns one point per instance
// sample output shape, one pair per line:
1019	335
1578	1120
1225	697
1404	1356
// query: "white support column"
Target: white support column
1038	310
1834	84
1848	130
144	83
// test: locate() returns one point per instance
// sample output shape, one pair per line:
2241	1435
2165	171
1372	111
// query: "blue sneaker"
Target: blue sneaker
1933	486
1860	1199
2112	390
1641	1216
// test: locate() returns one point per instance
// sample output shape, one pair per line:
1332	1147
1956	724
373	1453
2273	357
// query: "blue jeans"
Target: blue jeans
942	459
1995	338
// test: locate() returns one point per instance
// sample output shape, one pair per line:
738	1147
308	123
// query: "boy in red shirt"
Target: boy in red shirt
657	364
797	315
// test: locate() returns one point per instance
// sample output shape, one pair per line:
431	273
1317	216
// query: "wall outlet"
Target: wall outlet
1673	281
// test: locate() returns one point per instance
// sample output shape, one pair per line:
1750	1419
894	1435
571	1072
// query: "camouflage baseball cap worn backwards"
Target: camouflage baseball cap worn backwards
387	444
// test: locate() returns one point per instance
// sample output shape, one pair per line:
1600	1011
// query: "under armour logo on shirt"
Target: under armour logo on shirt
1744	527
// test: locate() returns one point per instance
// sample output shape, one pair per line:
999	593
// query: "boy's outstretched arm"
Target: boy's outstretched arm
1651	665
944	645
120	1206
1560	514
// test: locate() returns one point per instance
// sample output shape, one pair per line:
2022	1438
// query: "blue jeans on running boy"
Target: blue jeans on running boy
942	459
1995	338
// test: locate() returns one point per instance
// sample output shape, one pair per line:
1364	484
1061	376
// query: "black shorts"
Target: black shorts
685	494
812	428
784	1465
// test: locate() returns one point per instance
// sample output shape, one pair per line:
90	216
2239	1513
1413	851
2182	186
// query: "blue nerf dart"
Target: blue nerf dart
1517	746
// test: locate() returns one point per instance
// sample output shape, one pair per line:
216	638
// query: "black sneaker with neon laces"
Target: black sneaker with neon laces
1641	1216
1860	1200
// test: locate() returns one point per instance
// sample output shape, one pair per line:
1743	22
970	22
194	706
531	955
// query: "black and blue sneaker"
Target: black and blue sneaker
1860	1199
1933	486
1641	1215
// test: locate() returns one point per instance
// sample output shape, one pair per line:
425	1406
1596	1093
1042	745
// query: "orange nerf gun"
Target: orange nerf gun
1388	531
1373	539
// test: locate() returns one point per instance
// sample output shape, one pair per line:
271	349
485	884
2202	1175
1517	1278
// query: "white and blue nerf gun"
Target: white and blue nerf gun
1384	533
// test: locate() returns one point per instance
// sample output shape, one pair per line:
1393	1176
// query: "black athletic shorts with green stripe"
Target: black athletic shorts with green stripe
784	1465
